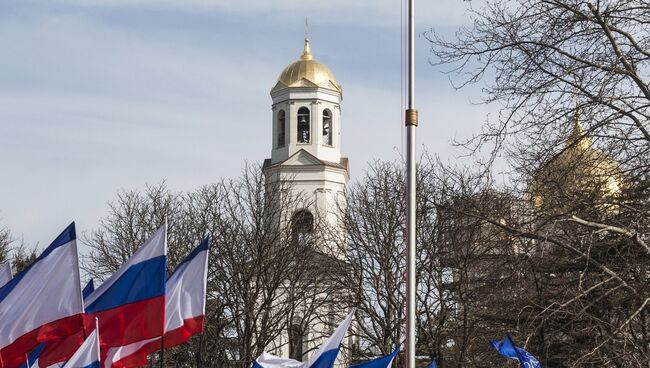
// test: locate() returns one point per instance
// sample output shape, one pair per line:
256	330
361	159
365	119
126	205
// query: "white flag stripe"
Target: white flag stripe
148	250
48	292
5	273
115	354
88	352
267	360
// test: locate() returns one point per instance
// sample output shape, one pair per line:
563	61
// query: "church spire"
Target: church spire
306	52
578	137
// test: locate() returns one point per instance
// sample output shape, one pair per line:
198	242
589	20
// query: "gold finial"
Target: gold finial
306	52
578	137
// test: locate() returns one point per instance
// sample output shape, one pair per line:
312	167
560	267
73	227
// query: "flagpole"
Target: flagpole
411	121
162	351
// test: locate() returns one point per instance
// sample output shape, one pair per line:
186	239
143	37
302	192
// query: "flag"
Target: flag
433	363
88	289
130	305
185	295
324	357
61	349
327	353
382	362
43	302
88	354
507	348
32	358
5	273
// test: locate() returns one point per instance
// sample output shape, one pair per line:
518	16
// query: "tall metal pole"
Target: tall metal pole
162	351
411	121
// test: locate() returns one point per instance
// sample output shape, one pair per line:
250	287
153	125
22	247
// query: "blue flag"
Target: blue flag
383	362
508	349
433	363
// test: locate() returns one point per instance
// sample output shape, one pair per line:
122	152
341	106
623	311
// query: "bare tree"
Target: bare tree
579	198
260	280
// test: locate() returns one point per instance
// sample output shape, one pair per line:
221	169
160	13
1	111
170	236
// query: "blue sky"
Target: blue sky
98	95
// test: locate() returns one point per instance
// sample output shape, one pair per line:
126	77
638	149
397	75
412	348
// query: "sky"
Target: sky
102	95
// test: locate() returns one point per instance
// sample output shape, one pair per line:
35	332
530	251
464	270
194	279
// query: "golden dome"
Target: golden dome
579	172
307	72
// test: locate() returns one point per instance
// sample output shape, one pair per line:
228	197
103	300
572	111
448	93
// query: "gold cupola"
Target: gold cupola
307	72
579	174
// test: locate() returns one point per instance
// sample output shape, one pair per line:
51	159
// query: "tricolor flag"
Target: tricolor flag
324	357
32	358
88	354
5	273
130	305
382	362
507	348
184	314
43	302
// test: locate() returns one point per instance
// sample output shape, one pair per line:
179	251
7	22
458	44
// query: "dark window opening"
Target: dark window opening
302	226
303	125
281	128
327	127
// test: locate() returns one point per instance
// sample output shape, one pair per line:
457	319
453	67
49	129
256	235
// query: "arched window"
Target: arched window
327	127
302	225
303	125
281	128
296	336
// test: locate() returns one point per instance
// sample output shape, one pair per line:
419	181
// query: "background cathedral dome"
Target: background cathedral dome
580	173
307	72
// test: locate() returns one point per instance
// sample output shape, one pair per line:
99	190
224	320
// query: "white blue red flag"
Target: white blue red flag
32	358
185	310
324	357
507	348
381	362
88	355
5	273
43	302
130	305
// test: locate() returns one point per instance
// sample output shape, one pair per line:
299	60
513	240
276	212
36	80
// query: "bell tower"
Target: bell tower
306	161
306	139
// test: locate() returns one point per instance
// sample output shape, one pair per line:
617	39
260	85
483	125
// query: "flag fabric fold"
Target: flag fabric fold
88	355
507	348
5	273
185	310
381	362
325	355
43	302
